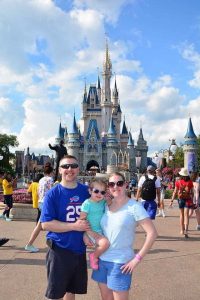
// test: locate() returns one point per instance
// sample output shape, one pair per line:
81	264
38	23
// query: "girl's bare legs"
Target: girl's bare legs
35	234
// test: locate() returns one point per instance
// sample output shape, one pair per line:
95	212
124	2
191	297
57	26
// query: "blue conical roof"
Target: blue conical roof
111	129
61	131
130	139
190	131
124	128
74	128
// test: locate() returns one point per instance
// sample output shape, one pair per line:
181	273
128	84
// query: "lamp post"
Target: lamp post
172	150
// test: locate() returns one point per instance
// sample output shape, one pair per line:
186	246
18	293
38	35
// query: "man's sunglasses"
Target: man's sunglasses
67	166
96	191
119	183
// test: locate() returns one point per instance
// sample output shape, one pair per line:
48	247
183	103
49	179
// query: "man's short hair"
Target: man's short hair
150	169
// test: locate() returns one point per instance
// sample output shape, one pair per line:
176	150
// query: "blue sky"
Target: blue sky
49	47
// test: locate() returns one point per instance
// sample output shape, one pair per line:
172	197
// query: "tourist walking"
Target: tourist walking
66	257
7	185
149	189
118	223
92	210
45	184
184	191
164	184
33	190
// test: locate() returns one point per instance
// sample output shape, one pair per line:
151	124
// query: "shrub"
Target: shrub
168	194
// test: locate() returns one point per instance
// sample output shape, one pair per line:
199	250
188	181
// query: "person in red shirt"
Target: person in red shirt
184	191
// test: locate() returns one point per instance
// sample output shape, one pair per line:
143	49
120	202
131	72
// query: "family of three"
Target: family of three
75	217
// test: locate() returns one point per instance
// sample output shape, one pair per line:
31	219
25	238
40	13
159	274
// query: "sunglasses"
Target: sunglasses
96	191
119	183
67	166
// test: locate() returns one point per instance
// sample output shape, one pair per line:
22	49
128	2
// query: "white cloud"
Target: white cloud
189	53
110	9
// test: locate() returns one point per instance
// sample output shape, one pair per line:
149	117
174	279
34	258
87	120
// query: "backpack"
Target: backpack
183	192
148	191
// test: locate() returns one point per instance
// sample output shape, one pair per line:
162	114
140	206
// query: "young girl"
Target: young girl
93	209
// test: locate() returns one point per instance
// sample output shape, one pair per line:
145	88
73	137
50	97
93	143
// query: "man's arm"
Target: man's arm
58	226
52	147
138	193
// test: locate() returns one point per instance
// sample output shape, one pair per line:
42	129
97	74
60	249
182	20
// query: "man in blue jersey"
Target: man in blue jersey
66	257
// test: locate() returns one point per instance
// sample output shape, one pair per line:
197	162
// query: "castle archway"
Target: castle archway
92	165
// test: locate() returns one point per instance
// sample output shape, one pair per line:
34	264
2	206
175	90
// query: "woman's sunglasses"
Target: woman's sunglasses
96	191
119	183
67	166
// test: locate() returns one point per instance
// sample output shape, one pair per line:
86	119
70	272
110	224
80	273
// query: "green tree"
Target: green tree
178	159
7	142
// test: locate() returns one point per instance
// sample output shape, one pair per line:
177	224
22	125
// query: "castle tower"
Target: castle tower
73	142
112	148
190	149
130	146
106	103
141	150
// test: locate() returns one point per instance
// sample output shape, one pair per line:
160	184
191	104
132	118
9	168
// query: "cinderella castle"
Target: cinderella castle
103	144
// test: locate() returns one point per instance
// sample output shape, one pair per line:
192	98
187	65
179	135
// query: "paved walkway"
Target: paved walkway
171	270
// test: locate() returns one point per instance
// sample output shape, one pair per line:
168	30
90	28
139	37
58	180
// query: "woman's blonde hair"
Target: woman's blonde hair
118	174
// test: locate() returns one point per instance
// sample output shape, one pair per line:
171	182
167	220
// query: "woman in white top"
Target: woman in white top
118	223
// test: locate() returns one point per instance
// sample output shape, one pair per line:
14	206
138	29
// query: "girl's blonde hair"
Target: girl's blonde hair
99	181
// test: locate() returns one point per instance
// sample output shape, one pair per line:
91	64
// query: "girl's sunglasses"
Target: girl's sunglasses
67	166
96	191
119	183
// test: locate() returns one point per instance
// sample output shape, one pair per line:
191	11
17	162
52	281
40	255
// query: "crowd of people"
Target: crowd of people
102	216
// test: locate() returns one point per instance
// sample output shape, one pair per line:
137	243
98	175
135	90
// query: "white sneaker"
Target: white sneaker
159	214
31	248
8	219
163	214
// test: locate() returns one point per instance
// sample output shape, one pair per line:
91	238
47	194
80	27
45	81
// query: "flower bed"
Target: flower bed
19	196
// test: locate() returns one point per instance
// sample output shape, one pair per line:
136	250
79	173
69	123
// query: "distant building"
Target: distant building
29	164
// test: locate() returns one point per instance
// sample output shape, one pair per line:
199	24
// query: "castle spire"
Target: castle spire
107	61
190	131
140	137
130	139
111	130
124	128
74	129
115	91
